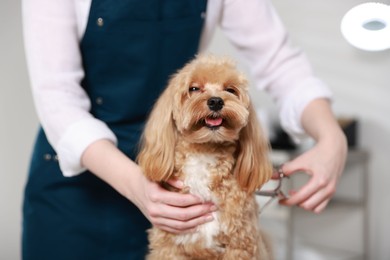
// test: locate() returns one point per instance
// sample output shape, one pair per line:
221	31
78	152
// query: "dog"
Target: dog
204	131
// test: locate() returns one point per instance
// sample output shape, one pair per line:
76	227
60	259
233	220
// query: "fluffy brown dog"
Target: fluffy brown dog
204	131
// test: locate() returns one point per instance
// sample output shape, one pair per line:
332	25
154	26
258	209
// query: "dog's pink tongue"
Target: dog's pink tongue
214	121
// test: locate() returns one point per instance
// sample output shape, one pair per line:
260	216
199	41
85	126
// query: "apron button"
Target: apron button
47	157
100	22
203	15
99	101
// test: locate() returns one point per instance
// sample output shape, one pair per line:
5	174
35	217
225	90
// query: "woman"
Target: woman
96	68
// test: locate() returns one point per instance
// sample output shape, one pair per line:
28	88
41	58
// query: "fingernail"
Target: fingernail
180	184
209	218
213	208
283	202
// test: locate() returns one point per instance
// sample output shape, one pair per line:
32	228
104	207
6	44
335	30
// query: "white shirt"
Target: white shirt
54	28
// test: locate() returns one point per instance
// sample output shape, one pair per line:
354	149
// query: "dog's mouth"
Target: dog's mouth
213	122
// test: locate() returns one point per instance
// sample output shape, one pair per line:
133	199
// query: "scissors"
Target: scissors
277	192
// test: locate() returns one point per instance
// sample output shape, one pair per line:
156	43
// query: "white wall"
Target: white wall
360	81
18	125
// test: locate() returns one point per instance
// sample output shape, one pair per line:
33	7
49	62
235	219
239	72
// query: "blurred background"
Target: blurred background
355	225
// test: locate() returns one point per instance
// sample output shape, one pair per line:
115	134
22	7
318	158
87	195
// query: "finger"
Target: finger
183	214
173	198
289	168
176	183
320	199
180	227
321	207
315	200
176	231
302	194
275	175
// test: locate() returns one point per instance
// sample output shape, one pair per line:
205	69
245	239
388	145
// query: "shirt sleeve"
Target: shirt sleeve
54	63
257	32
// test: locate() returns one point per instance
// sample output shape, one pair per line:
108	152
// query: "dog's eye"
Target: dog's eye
231	90
193	89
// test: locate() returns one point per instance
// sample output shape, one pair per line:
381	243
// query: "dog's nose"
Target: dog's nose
215	103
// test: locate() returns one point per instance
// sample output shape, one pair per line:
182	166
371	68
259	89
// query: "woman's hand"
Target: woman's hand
171	211
324	162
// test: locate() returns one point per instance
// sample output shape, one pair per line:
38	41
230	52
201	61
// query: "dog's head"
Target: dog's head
207	101
210	101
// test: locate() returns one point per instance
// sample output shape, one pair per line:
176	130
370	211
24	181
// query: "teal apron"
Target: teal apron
129	50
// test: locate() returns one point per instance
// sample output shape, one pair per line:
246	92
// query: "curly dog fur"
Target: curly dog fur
204	131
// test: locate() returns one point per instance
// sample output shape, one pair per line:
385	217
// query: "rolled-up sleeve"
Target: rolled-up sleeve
55	69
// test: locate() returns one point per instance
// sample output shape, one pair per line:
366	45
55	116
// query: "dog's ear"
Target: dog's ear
253	167
156	157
